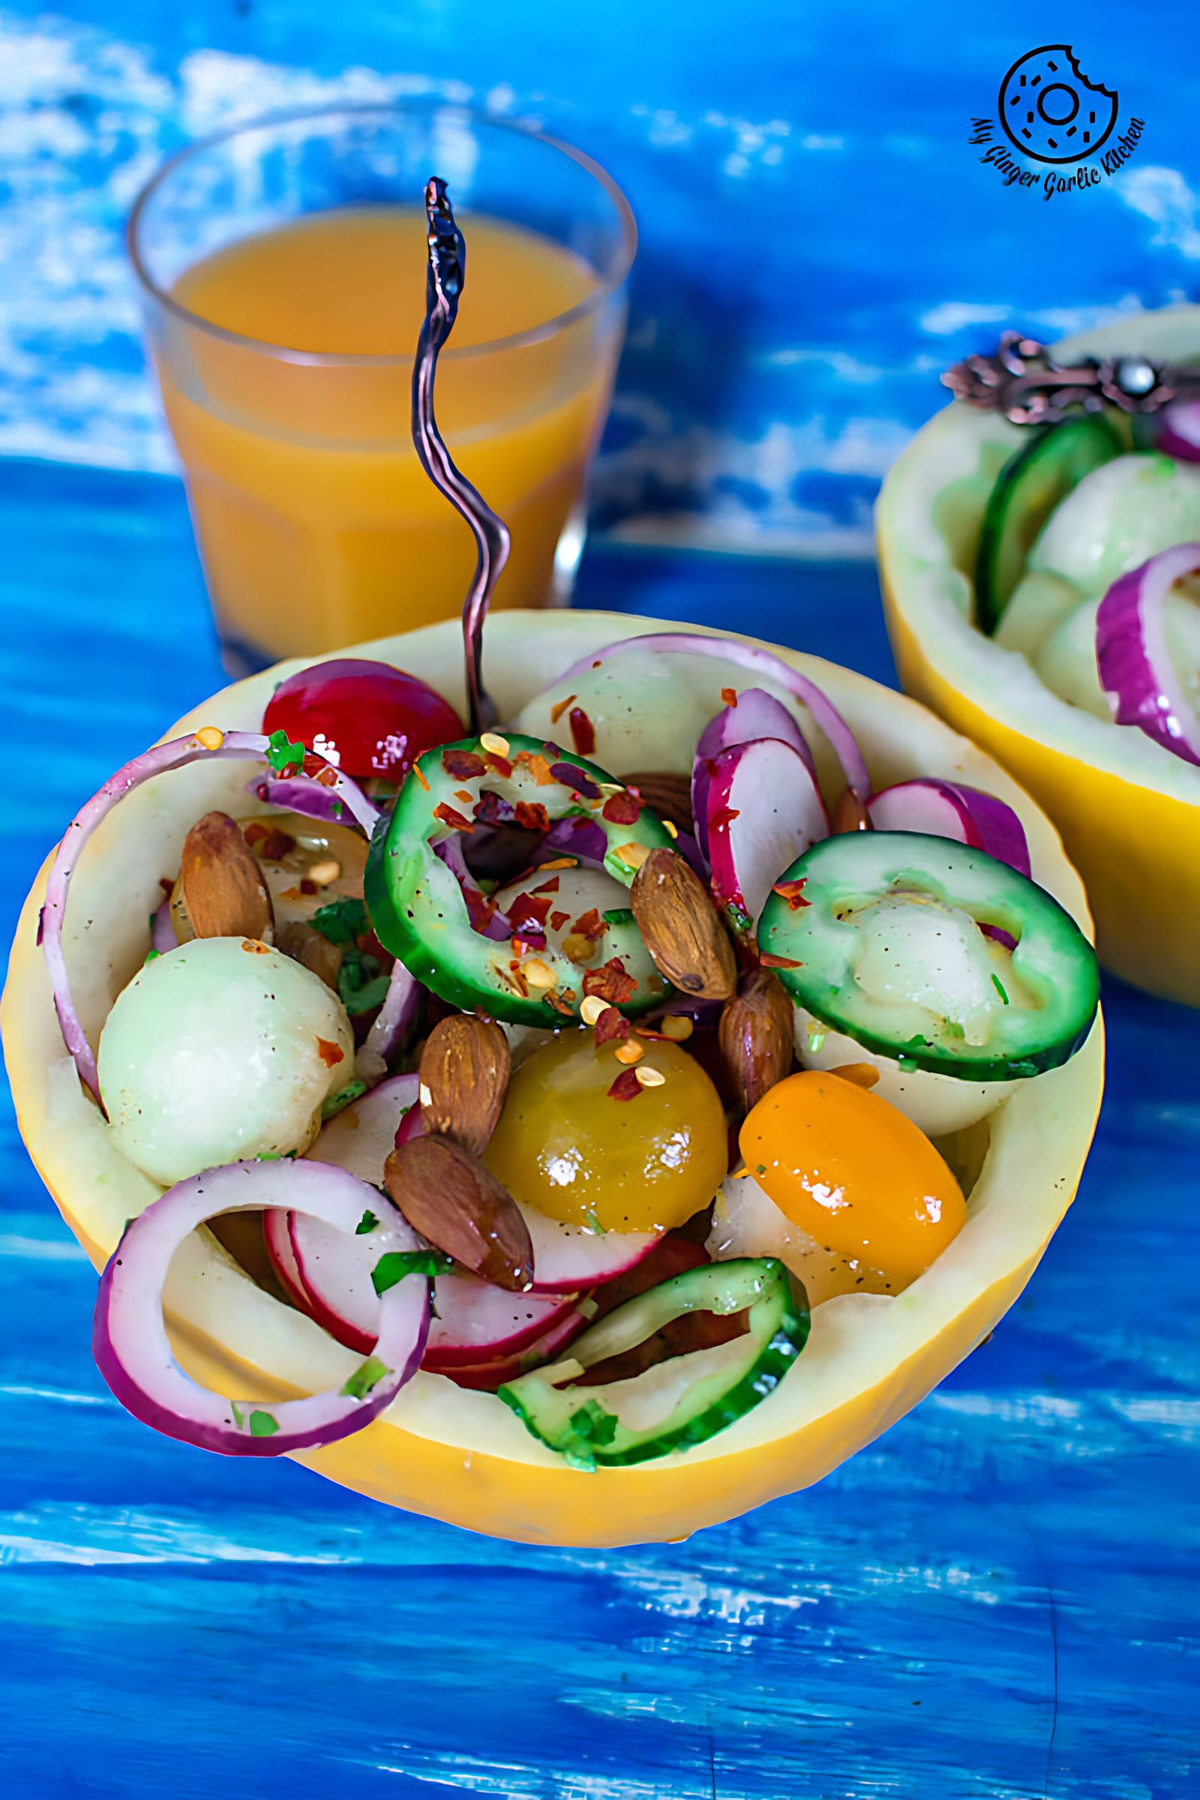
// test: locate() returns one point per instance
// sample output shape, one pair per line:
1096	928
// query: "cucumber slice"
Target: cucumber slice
685	1399
418	910
1028	488
882	943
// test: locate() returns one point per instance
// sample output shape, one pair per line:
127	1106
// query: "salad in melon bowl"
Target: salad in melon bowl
580	1119
1040	582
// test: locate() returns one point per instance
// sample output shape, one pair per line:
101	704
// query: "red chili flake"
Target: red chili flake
523	945
622	809
371	946
778	962
419	772
626	1086
559	708
449	817
327	777
546	887
465	795
558	920
725	815
307	886
612	981
463	765
480	910
518	980
583	732
611	1026
330	1054
490	809
252	833
500	765
729	696
255	946
658	1037
531	815
168	886
792	892
538	767
590	925
273	844
528	913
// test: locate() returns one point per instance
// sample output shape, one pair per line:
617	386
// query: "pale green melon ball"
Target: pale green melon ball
1123	512
644	714
218	1051
1067	661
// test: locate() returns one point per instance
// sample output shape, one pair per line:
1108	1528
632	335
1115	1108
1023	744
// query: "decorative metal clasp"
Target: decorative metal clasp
1024	382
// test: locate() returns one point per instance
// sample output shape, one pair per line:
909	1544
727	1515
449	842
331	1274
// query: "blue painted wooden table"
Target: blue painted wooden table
997	1600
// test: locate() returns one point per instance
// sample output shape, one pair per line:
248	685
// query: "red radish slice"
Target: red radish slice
764	810
758	662
492	1375
209	741
1135	667
361	1137
755	714
282	1257
950	809
134	1355
1179	431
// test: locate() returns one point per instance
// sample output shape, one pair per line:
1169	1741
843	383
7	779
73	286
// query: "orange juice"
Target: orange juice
286	384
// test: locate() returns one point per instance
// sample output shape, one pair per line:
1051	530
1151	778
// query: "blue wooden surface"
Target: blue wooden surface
818	240
995	1602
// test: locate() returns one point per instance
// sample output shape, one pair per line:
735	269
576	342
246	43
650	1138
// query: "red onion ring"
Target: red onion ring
390	1027
311	798
134	1355
759	662
1134	665
1179	431
159	761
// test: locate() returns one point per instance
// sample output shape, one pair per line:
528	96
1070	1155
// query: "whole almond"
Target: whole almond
447	1195
680	928
221	883
465	1067
670	796
755	1037
850	814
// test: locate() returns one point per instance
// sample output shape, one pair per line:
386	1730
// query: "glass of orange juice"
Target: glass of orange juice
282	267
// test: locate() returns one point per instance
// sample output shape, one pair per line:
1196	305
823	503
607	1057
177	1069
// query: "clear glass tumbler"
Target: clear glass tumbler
282	268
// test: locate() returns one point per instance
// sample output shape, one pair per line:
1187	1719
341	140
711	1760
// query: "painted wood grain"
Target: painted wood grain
995	1602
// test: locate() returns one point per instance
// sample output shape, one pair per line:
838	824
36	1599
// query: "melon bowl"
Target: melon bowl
462	1456
1128	810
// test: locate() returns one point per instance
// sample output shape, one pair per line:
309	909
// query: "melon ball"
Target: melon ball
220	1050
938	1104
1118	515
643	714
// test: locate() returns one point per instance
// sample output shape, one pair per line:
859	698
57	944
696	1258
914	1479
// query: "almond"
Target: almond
670	796
447	1195
305	944
465	1067
221	884
755	1037
680	928
850	814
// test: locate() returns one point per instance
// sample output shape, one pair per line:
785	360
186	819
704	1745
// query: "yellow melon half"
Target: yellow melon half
1128	810
460	1456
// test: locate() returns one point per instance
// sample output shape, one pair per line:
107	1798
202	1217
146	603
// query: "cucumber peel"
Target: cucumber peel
1029	487
683	1400
416	905
985	1013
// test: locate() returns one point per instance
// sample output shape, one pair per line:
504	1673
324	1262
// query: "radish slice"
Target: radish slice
492	1375
764	810
1136	671
950	809
1179	431
754	714
159	761
134	1355
571	1256
758	662
282	1257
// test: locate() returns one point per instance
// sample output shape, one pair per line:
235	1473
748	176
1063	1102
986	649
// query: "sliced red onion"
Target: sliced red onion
129	1337
575	836
312	799
756	714
391	1026
484	920
1135	667
162	929
1179	431
951	809
764	810
159	761
758	662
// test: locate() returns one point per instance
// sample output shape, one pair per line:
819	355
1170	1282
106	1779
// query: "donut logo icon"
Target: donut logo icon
1050	111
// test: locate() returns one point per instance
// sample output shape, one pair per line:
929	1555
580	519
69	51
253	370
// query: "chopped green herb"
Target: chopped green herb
269	1156
618	915
908	1065
342	1098
593	1224
151	954
239	1417
999	987
760	1168
263	1425
368	1222
285	758
361	983
342	921
365	1377
150	917
398	1263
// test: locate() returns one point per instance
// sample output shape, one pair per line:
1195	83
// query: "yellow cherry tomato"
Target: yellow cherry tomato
567	1148
851	1170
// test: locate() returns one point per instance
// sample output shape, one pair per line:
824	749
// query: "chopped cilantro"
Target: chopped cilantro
368	1222
239	1417
263	1425
365	1377
618	915
286	759
593	1224
151	954
343	1097
342	921
361	982
907	1064
398	1263
999	987
760	1168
